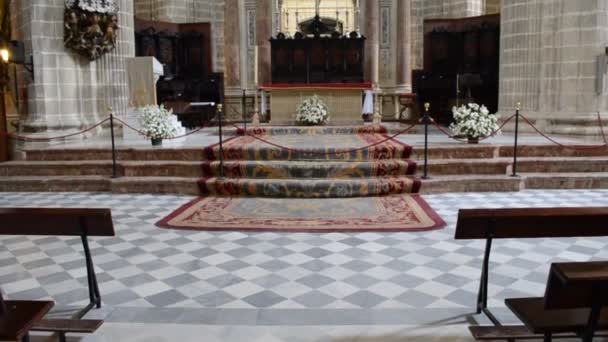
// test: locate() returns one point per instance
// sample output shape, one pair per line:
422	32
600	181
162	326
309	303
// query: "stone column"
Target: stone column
550	64
372	46
404	46
263	34
232	46
69	92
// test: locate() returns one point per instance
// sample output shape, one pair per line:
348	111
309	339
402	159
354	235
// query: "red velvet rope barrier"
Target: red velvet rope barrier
576	148
24	138
392	137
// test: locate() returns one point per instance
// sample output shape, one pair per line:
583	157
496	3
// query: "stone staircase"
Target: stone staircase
453	168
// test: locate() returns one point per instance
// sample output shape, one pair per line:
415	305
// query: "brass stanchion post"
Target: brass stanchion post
516	136
426	118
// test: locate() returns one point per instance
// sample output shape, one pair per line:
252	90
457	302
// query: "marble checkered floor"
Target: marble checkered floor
283	286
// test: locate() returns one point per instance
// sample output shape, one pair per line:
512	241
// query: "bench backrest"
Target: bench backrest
577	285
56	221
531	223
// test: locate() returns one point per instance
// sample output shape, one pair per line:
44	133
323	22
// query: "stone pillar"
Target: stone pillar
372	46
404	46
492	6
263	34
232	46
69	92
549	64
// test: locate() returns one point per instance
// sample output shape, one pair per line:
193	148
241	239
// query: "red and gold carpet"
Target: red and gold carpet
310	162
396	213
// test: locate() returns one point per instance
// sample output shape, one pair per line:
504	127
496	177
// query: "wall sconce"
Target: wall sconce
14	52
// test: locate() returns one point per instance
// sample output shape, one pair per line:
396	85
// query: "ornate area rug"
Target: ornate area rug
396	213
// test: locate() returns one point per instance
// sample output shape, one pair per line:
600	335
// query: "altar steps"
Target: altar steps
198	169
196	154
190	185
176	170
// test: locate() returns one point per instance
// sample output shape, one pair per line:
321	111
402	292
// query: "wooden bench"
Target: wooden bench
572	306
63	222
17	317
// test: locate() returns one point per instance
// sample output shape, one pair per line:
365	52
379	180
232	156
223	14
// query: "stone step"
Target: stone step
58	168
464	167
151	153
460	151
160	185
565	180
503	166
554	151
304	169
309	188
310	169
156	185
471	183
102	168
561	165
190	185
56	183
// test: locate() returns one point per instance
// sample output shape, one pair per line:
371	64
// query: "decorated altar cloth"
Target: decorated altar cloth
344	101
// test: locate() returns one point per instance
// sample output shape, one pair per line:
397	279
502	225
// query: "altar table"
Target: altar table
343	100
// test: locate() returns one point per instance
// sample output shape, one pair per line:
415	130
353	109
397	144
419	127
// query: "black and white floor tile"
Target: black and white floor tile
151	275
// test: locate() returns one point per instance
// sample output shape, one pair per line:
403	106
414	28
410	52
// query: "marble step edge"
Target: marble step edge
194	168
189	186
104	162
198	154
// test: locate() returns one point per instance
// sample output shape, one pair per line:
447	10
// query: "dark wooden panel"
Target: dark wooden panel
531	311
571	285
453	48
185	52
19	317
317	60
55	221
531	223
520	332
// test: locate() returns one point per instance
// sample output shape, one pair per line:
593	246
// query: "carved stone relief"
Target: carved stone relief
90	27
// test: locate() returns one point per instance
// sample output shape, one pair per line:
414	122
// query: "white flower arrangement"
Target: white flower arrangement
473	121
312	111
159	123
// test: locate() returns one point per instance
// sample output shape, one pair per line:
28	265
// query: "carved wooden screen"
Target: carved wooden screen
185	52
461	52
317	60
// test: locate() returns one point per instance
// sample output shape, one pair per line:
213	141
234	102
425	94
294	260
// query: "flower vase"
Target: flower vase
157	141
472	140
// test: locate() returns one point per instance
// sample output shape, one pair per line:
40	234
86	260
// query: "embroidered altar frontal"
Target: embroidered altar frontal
394	213
344	101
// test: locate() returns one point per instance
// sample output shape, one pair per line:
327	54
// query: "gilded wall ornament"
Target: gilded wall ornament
90	26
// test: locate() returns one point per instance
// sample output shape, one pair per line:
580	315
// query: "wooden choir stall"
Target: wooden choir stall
318	61
184	50
461	61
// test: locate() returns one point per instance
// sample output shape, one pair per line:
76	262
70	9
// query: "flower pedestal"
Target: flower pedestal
157	141
472	140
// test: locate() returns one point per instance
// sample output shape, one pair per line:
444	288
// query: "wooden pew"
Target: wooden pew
490	224
62	222
17	317
572	306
